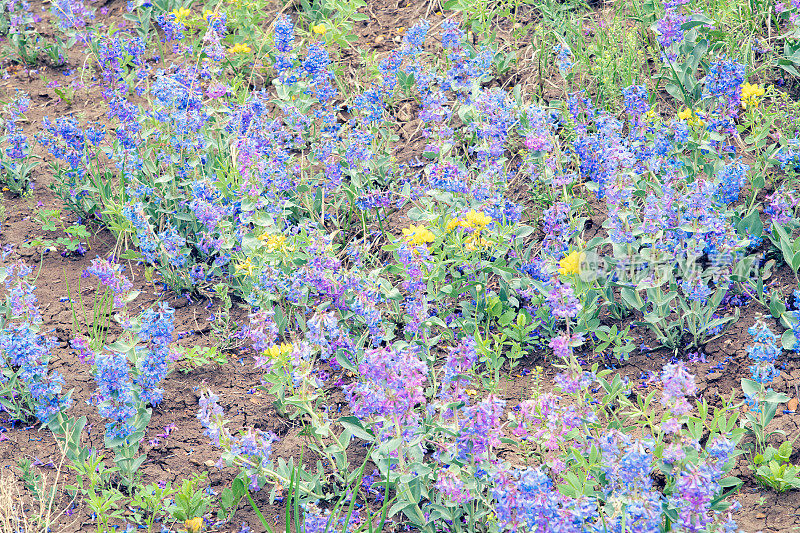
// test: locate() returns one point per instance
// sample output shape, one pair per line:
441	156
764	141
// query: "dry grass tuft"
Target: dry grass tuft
21	512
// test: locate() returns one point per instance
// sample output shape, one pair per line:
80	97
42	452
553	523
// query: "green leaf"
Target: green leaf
788	340
344	361
402	505
730	481
507	318
776	307
751	224
632	298
750	387
355	426
785	450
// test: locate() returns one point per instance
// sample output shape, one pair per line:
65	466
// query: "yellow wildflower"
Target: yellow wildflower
417	235
691	118
319	29
751	95
572	263
401	29
453	224
245	266
277	351
273	243
194	525
181	14
477	220
651	115
239	48
475	242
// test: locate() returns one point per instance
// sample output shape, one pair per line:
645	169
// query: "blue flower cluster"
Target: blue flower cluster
28	387
731	178
115	400
156	330
120	395
764	352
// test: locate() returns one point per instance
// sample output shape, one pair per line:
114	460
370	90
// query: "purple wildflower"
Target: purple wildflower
678	383
450	484
390	386
110	274
562	301
480	427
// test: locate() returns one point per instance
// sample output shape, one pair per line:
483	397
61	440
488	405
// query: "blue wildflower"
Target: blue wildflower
731	177
763	352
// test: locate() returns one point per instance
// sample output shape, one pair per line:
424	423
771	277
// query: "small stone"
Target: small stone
64	317
714	376
63	334
760	515
792	404
379	40
404	114
177	303
210	463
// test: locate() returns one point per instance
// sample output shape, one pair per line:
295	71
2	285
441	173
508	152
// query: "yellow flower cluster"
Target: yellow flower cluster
277	351
273	243
319	29
194	525
418	235
181	14
475	221
571	264
245	266
472	220
239	48
691	118
751	95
